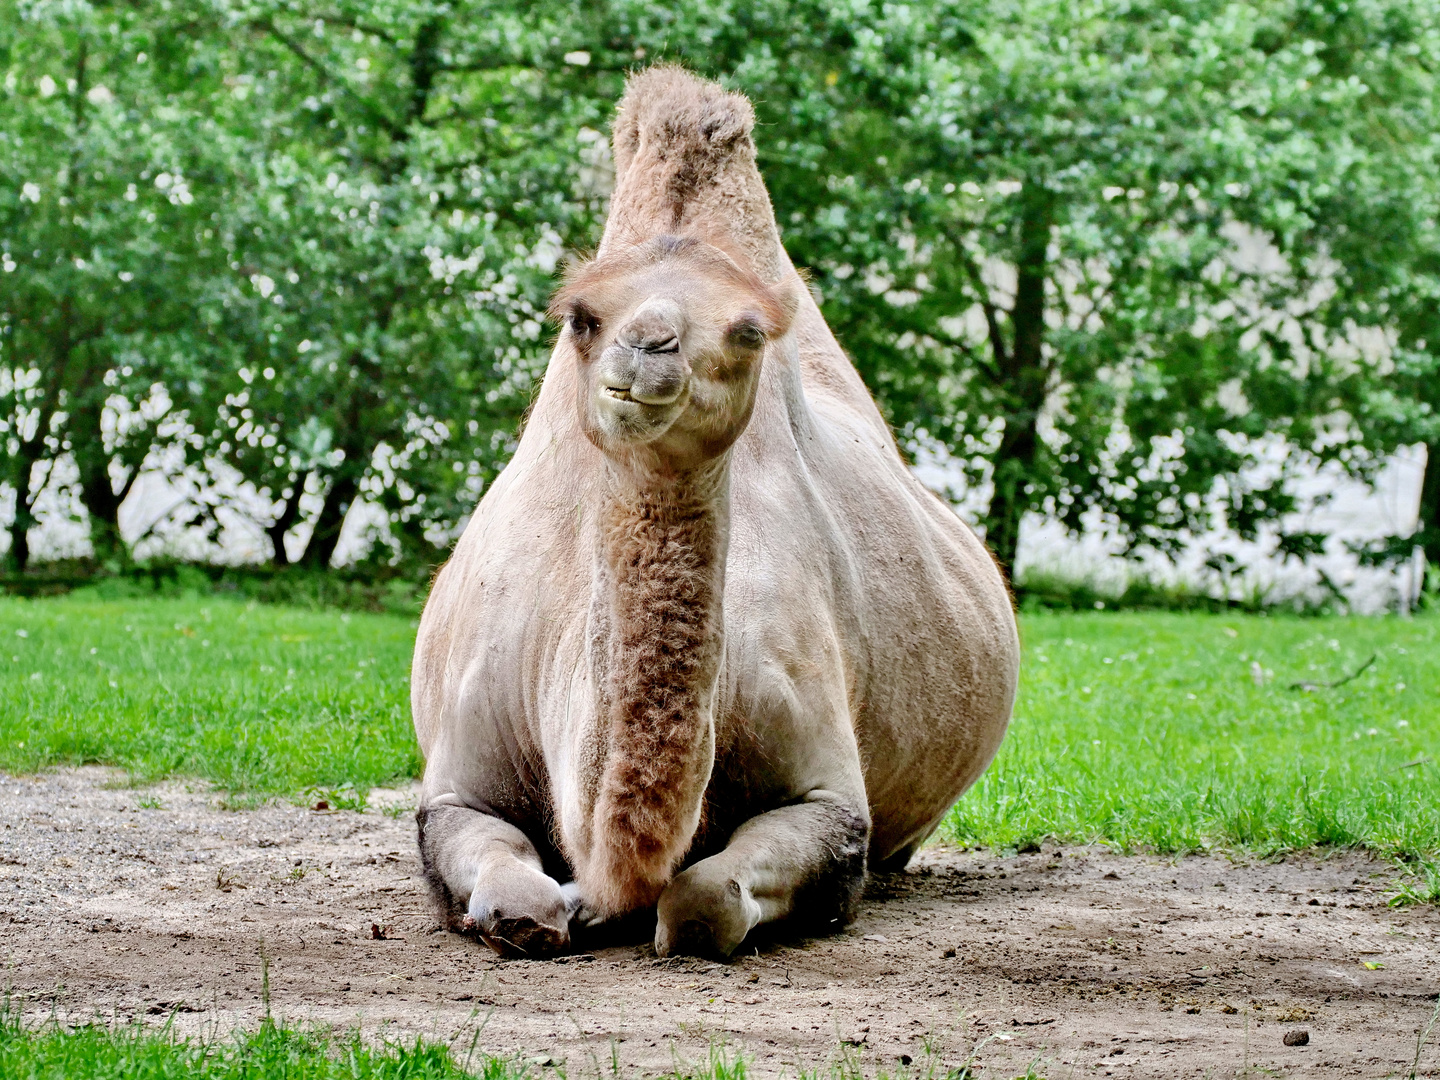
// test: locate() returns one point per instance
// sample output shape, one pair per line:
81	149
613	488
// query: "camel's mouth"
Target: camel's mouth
627	393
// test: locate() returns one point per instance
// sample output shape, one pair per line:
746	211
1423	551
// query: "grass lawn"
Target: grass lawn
1171	731
258	699
273	1051
279	1052
1182	731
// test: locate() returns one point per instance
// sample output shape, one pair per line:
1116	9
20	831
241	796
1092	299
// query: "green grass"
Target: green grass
1143	730
1149	731
277	1051
256	698
273	1052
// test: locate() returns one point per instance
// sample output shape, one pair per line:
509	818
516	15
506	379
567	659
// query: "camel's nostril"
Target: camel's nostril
651	343
654	328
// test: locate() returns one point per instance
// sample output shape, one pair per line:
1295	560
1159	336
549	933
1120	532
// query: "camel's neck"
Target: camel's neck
659	589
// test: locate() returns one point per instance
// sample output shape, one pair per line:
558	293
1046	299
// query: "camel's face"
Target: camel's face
668	338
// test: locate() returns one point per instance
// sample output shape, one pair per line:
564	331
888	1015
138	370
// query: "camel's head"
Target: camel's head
668	337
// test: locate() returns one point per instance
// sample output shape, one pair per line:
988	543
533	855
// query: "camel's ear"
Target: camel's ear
780	300
784	302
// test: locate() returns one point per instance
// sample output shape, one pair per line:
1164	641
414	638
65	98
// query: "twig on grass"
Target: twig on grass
1311	687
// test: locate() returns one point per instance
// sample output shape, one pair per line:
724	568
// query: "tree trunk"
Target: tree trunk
102	503
425	63
22	471
285	521
1023	378
60	320
345	486
1428	536
97	490
321	548
20	533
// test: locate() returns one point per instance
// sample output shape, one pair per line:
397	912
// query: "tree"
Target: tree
405	187
1101	255
97	261
1101	258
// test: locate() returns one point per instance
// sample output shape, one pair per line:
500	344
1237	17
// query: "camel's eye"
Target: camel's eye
746	335
583	323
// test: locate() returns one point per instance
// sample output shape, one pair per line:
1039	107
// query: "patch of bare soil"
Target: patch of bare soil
1079	961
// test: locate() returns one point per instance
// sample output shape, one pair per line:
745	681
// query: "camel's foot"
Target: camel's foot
704	912
533	922
522	937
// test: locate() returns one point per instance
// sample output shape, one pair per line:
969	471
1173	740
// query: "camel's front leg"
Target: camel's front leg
489	870
805	861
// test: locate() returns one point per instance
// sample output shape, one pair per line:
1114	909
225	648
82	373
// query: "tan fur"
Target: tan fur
684	162
663	551
706	547
774	301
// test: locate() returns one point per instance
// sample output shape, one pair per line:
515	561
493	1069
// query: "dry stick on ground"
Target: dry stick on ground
1311	687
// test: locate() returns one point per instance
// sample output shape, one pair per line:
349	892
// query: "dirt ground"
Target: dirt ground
125	903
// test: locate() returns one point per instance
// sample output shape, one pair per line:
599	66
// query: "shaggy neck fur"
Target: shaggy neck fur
662	549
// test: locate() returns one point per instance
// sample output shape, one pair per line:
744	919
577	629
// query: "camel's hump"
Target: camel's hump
685	164
680	114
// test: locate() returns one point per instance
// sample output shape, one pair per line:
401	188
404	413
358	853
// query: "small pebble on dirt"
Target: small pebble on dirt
948	954
1298	1037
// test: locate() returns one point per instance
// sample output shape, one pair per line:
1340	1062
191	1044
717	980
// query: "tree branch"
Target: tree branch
371	109
341	20
950	340
982	292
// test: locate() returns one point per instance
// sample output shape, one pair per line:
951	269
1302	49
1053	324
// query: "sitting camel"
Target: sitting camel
706	644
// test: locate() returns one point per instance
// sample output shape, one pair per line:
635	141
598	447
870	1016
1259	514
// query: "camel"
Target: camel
706	647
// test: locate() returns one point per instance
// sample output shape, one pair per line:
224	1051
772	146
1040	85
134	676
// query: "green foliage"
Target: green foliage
275	1050
363	588
1419	883
1039	590
94	259
1099	256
